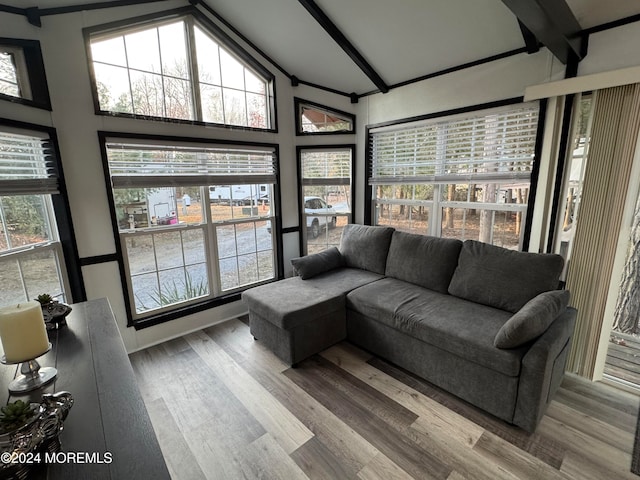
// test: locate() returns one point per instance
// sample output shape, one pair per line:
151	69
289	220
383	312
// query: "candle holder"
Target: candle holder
32	376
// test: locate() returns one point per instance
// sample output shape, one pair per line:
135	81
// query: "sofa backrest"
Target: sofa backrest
423	260
366	247
502	278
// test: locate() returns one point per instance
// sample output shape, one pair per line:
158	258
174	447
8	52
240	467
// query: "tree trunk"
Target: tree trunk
627	313
448	212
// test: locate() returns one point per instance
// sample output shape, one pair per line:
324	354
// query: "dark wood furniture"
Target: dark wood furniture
108	414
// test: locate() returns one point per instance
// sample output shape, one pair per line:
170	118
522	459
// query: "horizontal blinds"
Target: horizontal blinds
136	165
326	167
27	165
494	146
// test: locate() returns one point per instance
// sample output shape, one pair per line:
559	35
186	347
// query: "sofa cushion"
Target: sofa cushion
423	260
311	265
294	301
343	280
366	247
533	319
461	327
503	278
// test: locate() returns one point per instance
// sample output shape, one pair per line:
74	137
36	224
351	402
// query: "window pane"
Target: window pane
257	110
168	249
141	254
165	255
173	49
109	51
177	97
143	51
406	218
247	269
12	290
143	208
145	292
211	98
254	83
235	108
314	120
208	59
114	91
490	226
26	221
40	274
246	238
226	236
228	273
232	71
26	276
8	75
265	265
148	94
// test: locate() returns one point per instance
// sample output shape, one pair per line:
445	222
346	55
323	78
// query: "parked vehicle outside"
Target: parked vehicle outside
317	213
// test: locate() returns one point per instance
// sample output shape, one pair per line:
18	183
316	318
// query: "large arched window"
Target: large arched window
178	67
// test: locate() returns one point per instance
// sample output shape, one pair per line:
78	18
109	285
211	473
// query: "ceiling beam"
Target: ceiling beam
552	22
335	33
530	40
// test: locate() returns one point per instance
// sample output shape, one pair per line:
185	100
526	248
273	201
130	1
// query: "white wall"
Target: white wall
76	124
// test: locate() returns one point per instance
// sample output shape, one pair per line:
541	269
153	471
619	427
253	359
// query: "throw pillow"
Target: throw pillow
317	263
532	320
366	247
423	260
503	278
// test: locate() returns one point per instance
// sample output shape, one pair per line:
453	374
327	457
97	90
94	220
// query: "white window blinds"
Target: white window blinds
493	145
137	165
326	167
27	164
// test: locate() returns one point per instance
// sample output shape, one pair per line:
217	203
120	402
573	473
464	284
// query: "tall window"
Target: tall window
178	69
31	254
575	167
194	220
327	195
465	177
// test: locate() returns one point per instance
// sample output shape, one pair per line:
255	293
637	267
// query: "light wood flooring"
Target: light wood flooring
623	358
223	407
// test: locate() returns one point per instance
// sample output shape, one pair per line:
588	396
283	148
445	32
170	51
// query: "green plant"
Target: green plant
14	415
173	292
44	298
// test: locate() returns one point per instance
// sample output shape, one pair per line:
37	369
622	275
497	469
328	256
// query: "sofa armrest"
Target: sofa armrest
542	370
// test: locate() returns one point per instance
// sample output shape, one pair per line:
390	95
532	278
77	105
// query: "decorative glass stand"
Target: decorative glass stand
32	376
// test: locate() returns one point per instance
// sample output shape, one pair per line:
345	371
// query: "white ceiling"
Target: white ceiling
400	39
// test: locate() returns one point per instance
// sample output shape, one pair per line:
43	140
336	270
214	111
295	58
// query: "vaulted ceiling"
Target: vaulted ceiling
359	46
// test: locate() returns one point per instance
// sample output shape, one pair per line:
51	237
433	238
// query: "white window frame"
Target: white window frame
203	180
408	164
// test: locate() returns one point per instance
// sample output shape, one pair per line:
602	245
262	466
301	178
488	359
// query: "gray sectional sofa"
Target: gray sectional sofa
482	322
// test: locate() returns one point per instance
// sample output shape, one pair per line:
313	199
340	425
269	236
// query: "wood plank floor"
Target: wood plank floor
223	407
623	358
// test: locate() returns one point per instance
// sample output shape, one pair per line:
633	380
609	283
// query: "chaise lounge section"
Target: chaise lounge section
482	322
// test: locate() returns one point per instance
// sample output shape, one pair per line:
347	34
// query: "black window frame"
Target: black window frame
62	212
300	102
35	72
181	311
203	21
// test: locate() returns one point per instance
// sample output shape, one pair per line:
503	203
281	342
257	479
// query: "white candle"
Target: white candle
23	332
